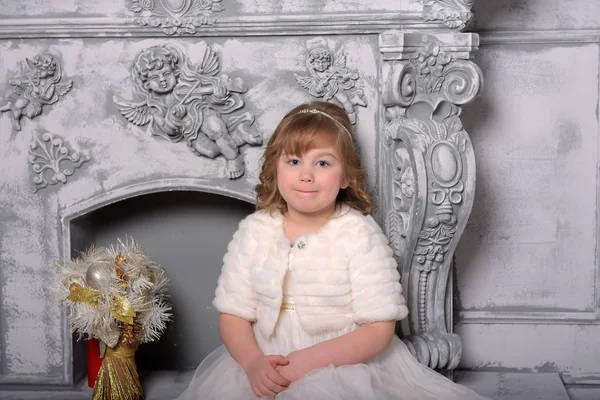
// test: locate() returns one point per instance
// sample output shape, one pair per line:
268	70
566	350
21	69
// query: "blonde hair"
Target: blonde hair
300	131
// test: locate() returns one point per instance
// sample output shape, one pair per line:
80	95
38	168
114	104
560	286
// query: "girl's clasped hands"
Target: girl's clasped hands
271	374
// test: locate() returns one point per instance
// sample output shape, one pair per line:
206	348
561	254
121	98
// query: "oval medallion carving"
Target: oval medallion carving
175	6
446	164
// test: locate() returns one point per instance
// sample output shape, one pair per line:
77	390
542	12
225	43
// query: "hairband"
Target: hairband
323	113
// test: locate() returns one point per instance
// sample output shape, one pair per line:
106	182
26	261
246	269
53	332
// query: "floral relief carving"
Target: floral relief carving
429	132
453	13
194	103
404	190
404	184
38	86
330	79
176	17
407	182
430	66
52	160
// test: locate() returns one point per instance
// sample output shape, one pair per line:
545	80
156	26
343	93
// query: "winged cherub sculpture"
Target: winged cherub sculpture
181	101
37	87
330	79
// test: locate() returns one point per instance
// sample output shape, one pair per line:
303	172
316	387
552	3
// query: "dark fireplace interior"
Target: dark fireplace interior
187	233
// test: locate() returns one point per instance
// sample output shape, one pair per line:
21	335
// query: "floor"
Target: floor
495	385
523	386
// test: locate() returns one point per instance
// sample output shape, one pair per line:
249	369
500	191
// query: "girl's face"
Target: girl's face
310	183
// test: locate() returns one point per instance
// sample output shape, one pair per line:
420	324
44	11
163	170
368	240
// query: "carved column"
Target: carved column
427	177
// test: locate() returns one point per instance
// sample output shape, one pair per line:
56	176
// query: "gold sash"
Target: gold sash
288	305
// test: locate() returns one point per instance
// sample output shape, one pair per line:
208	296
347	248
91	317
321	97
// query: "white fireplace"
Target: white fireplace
186	231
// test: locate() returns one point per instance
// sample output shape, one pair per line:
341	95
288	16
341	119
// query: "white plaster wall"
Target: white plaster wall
121	154
527	265
101	69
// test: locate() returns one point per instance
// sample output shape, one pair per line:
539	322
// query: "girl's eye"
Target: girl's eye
294	162
322	163
167	73
154	77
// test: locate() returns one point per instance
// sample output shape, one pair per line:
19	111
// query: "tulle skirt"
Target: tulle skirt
394	374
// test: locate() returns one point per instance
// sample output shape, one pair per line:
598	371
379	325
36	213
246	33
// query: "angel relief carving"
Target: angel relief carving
35	88
330	79
181	101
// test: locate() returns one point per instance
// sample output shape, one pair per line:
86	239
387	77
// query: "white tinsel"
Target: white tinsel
144	285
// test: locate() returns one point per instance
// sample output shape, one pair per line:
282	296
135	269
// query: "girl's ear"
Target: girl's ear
345	183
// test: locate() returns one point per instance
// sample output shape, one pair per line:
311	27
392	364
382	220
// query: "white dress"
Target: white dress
394	374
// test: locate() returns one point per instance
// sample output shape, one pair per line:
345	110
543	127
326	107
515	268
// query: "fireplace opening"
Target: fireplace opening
187	233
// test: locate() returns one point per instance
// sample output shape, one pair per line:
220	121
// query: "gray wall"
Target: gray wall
527	264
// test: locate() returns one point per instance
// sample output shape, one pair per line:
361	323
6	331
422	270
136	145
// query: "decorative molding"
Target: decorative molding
52	160
329	79
455	14
581	379
37	86
176	17
180	101
278	25
147	187
246	25
528	317
401	46
550	37
428	177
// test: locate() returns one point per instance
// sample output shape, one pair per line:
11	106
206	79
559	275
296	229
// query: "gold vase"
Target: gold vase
118	378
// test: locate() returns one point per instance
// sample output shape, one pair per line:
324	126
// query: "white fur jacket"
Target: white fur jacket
343	274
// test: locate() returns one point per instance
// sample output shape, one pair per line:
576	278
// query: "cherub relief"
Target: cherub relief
34	89
330	79
186	102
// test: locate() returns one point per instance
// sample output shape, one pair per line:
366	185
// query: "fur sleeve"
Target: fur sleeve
234	294
375	281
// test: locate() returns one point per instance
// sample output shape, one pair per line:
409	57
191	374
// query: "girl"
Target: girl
309	291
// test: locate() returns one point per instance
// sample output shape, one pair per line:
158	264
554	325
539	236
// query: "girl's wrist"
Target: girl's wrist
312	358
249	359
